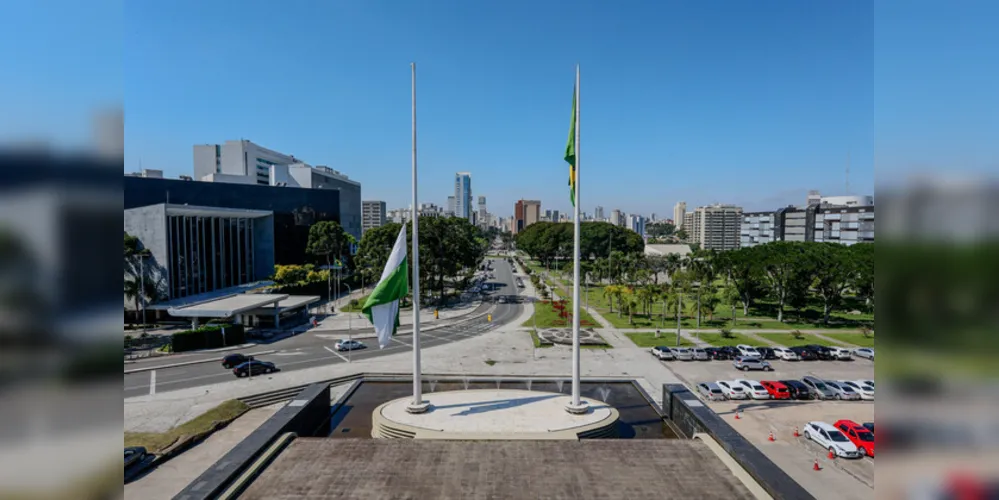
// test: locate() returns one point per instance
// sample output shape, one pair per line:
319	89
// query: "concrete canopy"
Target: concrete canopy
226	307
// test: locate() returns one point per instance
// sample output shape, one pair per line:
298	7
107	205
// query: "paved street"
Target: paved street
315	348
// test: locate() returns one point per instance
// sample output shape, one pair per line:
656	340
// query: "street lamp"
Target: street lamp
350	333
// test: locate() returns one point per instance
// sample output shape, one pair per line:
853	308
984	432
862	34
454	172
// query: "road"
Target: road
312	349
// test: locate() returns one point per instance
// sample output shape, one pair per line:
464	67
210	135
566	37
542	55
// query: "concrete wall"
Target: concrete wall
204	160
148	224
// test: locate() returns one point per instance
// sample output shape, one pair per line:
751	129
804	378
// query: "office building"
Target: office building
715	227
637	224
294	210
451	208
598	213
463	195
847	225
483	214
679	211
757	228
814	198
617	218
525	213
821	223
548	216
373	215
555	216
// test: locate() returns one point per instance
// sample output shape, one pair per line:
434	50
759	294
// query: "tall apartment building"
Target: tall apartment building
525	213
452	205
373	215
598	213
483	218
617	218
679	210
463	195
715	227
637	224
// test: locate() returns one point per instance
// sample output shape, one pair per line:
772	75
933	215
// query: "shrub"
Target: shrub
208	337
726	333
867	332
797	335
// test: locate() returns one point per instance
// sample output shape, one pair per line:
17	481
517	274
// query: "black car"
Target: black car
869	425
234	360
254	367
766	352
823	352
134	455
797	389
717	353
805	353
732	352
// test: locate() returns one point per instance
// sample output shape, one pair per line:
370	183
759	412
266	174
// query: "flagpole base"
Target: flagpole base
579	409
415	408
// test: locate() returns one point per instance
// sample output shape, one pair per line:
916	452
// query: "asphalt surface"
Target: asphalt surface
315	348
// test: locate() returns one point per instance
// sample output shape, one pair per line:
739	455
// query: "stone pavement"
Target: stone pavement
168	479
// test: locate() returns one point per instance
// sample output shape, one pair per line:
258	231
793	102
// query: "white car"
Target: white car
753	388
786	354
831	439
662	352
732	390
683	353
861	387
841	353
867	382
348	345
864	352
748	350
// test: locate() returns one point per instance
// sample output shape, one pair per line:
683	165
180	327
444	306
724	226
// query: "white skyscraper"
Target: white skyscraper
678	212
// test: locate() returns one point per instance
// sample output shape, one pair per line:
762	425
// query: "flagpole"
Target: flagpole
576	406
418	405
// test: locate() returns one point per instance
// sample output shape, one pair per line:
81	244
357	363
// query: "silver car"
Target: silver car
819	387
683	353
700	354
843	391
710	391
864	352
746	363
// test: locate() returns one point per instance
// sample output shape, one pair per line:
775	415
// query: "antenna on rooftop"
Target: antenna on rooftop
847	173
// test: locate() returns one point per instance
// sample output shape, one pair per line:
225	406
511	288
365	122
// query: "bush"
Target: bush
797	335
208	337
867	332
726	333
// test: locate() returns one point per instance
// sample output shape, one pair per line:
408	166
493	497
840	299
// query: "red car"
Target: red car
859	435
776	389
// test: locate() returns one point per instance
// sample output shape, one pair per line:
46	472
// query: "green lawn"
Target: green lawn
547	317
156	442
648	339
717	340
360	304
785	339
852	339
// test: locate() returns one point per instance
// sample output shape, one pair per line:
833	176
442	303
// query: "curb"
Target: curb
174	365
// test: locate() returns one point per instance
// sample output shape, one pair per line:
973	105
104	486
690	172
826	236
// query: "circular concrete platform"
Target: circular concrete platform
494	414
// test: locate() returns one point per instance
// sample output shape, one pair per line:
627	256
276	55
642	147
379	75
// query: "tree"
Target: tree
329	240
139	285
784	271
682	235
833	276
862	276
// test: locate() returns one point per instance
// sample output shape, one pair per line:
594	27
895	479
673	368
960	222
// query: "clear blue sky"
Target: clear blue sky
742	102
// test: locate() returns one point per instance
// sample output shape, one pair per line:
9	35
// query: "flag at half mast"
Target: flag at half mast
570	151
382	306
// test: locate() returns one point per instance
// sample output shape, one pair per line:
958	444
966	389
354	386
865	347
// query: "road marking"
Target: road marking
401	342
152	382
334	352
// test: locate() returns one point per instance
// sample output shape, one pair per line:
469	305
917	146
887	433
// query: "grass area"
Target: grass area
852	339
717	340
156	442
357	308
648	339
786	340
547	317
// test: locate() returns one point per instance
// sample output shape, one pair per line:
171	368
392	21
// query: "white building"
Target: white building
373	214
715	227
679	210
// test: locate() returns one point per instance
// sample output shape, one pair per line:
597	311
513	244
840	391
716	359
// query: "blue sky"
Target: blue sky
751	103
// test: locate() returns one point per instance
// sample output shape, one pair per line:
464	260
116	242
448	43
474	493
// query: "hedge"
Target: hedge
208	337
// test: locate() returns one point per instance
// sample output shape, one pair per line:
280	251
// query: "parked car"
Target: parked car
662	352
818	387
831	439
786	354
731	351
748	350
746	363
842	353
842	391
869	426
866	382
134	455
700	354
753	388
348	345
865	391
860	436
776	389
732	390
502	299
683	353
864	352
766	352
254	367
234	360
710	391
797	389
824	352
717	353
804	353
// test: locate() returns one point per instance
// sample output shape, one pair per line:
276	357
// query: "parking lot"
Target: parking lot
839	478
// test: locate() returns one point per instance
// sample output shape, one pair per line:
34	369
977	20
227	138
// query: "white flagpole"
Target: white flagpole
418	405
576	406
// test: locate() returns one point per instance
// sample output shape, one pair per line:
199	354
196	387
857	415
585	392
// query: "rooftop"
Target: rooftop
227	306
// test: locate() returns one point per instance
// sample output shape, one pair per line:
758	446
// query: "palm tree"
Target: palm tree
610	291
631	303
729	296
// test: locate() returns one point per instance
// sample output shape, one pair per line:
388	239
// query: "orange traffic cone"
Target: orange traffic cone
738	414
771	436
831	455
796	434
815	466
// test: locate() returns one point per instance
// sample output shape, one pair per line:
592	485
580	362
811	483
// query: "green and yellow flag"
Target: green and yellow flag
570	151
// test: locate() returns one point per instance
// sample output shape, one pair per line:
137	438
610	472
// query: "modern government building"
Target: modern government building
220	235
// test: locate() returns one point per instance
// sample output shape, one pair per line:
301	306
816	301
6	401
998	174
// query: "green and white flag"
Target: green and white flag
382	306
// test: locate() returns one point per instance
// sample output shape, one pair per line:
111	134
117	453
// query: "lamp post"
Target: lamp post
350	333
